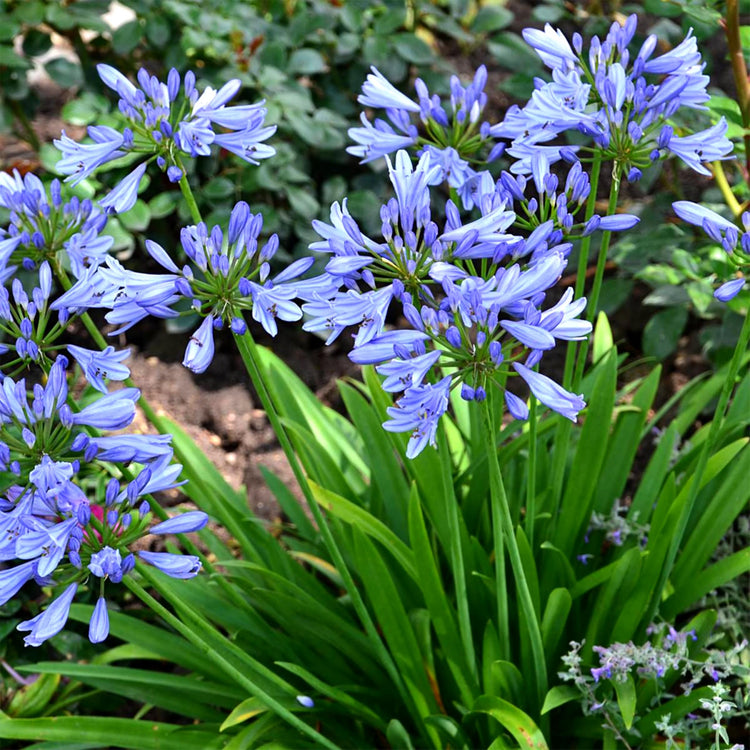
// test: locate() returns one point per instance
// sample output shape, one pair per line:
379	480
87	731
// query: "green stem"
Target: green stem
457	560
593	300
501	512
201	634
249	352
714	431
564	426
189	197
531	480
583	260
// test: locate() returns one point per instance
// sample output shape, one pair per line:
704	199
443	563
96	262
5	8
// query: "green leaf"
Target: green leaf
558	696
513	720
10	59
302	201
163	205
127	37
138	218
412	49
33	699
397	629
491	18
663	331
184	695
625	690
84	109
64	72
353	514
130	733
158	30
433	589
718	574
218	188
36	43
306	61
555	616
588	460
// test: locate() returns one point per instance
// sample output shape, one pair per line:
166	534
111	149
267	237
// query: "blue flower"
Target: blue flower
729	290
182	524
98	365
550	393
99	623
176	566
707	145
378	92
51	621
124	196
418	411
13	579
165	120
200	349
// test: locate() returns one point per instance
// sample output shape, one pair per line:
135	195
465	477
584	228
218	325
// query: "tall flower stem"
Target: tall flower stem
249	352
583	261
707	449
187	193
596	287
215	647
564	426
502	518
531	469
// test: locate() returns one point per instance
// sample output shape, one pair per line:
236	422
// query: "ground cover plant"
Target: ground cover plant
505	536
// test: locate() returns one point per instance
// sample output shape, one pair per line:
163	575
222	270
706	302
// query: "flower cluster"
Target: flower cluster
477	326
734	240
622	101
44	227
166	120
452	138
66	511
228	274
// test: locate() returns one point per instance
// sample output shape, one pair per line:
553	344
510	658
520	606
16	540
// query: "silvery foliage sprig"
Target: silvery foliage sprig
666	653
681	734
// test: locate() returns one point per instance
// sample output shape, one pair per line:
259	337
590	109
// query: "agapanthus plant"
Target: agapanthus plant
66	511
228	275
166	121
453	135
475	312
623	101
45	227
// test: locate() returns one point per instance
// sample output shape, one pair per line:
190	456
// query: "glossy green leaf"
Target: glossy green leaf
513	720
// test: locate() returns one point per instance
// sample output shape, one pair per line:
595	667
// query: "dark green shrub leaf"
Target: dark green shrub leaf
36	43
413	49
127	37
663	331
491	18
218	188
30	12
306	62
158	30
64	72
138	218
